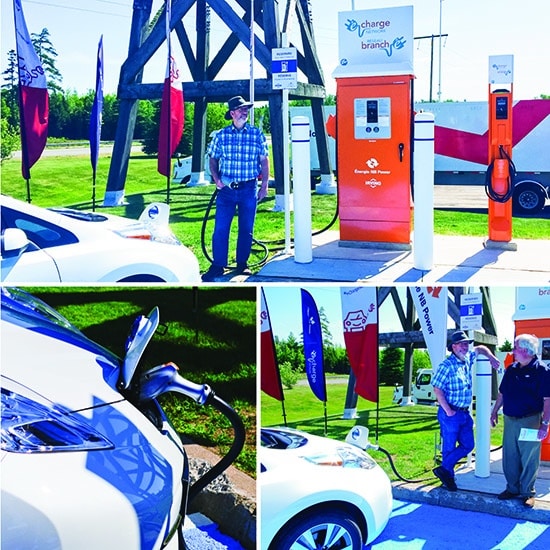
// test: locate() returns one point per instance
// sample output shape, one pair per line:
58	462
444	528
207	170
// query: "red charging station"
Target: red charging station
374	128
501	171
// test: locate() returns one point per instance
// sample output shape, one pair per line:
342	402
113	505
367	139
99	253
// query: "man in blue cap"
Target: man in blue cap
452	384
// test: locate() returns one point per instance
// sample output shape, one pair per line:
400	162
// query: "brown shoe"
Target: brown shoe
507	495
529	502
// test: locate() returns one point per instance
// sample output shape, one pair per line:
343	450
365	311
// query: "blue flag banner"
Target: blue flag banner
313	346
97	108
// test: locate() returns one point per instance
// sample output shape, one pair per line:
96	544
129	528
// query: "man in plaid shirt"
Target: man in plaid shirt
452	384
238	156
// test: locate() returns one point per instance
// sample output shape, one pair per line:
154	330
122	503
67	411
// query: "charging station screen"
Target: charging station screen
372	118
501	108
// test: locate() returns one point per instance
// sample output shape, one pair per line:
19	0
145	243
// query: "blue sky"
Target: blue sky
475	31
283	302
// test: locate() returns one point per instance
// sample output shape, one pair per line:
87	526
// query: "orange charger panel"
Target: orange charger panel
374	136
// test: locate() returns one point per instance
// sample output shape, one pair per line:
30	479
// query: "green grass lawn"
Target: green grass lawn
409	434
67	181
210	333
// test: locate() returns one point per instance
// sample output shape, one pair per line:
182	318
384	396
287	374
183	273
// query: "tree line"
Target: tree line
391	360
69	116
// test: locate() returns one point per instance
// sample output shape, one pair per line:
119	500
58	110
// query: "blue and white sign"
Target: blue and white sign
471	311
284	68
501	69
375	42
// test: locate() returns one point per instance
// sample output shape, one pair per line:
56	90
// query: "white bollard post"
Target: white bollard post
483	413
423	235
303	251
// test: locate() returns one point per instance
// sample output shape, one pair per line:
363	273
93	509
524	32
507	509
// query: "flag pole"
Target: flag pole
168	126
22	129
95	119
23	133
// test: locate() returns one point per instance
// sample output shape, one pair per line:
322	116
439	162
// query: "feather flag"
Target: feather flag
171	108
33	95
313	346
270	376
360	325
97	108
431	307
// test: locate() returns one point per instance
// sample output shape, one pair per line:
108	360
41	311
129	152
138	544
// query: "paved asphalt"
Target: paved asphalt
427	527
200	533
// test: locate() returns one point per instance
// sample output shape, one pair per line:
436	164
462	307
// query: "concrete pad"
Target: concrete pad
480	494
456	259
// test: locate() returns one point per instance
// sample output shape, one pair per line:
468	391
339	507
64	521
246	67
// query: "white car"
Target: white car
89	459
319	493
50	245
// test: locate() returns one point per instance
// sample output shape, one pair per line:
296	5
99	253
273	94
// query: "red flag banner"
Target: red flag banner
360	325
269	369
171	108
33	95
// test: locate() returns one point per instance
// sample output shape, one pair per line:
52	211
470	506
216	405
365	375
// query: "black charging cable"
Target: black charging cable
489	190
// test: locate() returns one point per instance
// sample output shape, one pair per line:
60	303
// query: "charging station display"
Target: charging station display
372	118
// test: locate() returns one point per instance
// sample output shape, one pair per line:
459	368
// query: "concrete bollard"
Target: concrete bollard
483	376
303	251
423	236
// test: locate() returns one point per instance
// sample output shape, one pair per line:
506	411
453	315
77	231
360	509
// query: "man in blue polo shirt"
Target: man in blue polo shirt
525	394
238	156
452	384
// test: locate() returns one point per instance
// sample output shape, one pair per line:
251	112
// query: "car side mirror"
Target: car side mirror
14	242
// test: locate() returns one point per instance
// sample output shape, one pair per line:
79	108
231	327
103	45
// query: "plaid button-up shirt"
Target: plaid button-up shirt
238	152
454	378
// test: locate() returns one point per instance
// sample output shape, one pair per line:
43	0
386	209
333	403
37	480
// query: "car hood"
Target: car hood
304	449
64	372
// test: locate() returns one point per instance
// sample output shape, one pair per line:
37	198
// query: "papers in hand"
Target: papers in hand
528	434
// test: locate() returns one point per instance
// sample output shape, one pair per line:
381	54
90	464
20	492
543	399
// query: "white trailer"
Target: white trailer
461	146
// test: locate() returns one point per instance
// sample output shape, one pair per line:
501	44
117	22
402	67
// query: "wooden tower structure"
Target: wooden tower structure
411	336
147	37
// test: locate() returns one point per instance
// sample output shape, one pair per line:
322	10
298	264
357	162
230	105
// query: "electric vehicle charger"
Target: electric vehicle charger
501	168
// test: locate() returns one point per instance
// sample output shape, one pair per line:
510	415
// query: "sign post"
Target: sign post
284	68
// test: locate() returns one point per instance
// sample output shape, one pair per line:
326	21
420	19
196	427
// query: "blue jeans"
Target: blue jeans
457	433
228	201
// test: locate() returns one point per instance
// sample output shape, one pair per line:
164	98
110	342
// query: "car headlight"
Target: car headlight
29	426
345	457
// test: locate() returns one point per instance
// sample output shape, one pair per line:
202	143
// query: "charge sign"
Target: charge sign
284	68
471	311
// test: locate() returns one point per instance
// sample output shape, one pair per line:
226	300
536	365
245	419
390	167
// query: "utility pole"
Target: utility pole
431	37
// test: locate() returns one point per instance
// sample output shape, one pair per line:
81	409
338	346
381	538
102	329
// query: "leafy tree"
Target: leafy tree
391	366
507	346
290	351
421	360
289	375
9	138
47	55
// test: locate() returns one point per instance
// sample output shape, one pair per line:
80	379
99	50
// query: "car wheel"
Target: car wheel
143	278
322	530
529	198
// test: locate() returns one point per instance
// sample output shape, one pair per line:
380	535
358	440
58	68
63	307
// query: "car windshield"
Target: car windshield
23	309
17	299
279	439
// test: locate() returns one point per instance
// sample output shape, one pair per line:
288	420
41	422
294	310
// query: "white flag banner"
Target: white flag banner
431	306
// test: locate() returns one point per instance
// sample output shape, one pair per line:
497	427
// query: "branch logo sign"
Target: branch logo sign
375	41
